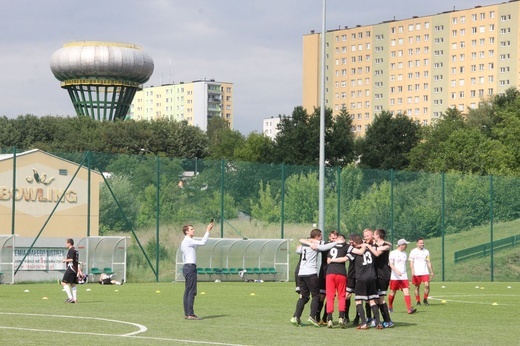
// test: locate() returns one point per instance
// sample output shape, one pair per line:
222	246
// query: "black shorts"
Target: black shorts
70	277
366	290
107	281
382	286
351	284
322	281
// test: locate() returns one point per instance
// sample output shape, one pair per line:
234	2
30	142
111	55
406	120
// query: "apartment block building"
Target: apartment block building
196	102
270	127
419	66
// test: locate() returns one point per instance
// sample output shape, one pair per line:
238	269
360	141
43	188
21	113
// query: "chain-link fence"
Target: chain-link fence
151	197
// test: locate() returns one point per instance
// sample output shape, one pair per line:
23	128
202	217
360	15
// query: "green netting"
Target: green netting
150	197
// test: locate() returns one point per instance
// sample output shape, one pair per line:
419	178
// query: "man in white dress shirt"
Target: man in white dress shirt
189	269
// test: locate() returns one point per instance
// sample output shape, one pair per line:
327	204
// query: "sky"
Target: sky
254	44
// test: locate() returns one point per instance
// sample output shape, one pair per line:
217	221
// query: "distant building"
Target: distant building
195	102
41	180
419	66
270	127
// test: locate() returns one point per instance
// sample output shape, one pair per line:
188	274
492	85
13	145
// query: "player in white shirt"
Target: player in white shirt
399	276
422	270
308	276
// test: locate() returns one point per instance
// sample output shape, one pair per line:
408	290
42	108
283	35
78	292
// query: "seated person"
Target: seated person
105	279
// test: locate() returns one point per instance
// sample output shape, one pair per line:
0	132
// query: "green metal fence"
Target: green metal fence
151	197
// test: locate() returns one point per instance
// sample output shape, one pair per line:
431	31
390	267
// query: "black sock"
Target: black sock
375	312
320	306
361	313
384	312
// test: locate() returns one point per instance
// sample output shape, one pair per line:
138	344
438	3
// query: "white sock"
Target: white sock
74	293
67	290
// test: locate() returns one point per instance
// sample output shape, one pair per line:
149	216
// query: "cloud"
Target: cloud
255	44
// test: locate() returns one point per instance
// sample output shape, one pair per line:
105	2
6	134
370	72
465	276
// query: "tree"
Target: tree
216	125
257	148
298	141
267	207
111	218
295	144
226	142
424	153
470	151
301	201
387	142
340	150
507	131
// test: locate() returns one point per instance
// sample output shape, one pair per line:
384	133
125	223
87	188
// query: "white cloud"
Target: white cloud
255	44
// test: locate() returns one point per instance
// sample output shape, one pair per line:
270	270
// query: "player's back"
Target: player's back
308	264
364	265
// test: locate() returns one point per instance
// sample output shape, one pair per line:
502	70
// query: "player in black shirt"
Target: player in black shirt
323	272
70	278
351	279
381	251
336	280
365	289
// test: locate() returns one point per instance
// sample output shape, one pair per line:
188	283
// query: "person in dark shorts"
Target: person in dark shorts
70	278
365	290
308	276
381	251
351	280
105	279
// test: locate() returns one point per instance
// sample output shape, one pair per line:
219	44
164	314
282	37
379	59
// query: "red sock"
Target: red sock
417	298
391	301
425	296
408	302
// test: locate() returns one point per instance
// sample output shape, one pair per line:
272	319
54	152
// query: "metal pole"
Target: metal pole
321	216
491	197
338	208
282	204
89	191
392	182
157	203
222	166
13	194
443	205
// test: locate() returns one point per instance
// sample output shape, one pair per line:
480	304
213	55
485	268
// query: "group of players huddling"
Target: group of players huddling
373	268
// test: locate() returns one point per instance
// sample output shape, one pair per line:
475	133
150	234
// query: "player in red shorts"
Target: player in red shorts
422	270
337	280
399	277
322	274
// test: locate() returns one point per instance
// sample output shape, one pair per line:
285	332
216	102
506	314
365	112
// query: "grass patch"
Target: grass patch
233	316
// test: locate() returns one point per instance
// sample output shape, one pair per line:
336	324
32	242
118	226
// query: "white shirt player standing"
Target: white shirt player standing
422	270
399	277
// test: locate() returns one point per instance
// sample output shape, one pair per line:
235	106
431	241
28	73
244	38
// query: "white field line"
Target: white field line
141	329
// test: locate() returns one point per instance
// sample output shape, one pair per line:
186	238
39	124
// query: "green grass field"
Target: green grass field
245	314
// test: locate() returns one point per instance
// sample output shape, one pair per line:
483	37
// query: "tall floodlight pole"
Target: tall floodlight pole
321	212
